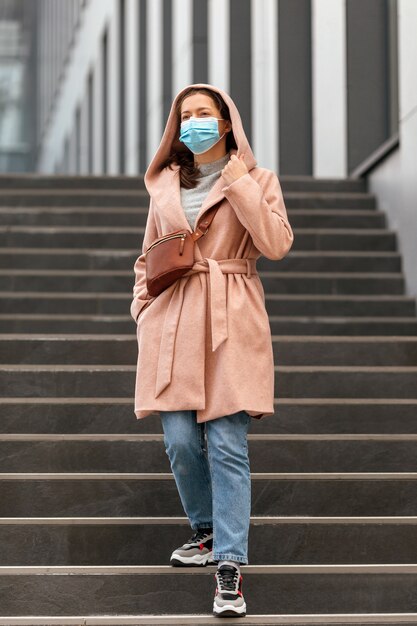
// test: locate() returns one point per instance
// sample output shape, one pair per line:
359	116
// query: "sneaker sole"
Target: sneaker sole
183	561
229	611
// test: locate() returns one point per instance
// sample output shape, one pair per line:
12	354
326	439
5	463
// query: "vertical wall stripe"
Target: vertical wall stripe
84	131
113	93
265	83
98	110
77	125
122	85
104	95
240	61
368	79
329	88
132	90
143	86
166	60
182	57
154	85
90	121
200	46
219	52
391	34
294	70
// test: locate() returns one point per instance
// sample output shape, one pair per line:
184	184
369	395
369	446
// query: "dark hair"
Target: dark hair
181	155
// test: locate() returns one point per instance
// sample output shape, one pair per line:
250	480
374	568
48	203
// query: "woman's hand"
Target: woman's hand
234	169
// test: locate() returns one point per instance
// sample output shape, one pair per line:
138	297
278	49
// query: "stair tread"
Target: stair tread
309	476
259	520
395	568
201	619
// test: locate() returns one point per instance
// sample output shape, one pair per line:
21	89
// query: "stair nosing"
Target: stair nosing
146	437
322	619
394	568
64	367
128	400
169	476
337	339
262	273
300	619
175	520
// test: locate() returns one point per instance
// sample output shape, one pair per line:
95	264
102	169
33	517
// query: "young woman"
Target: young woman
205	361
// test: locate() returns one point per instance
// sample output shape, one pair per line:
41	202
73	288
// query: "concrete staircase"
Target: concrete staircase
89	511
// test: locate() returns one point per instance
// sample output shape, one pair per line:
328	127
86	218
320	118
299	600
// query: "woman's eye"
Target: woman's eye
186	117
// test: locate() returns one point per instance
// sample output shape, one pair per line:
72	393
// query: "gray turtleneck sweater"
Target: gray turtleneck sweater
192	199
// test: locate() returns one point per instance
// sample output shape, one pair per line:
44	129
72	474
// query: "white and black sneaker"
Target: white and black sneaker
198	550
228	598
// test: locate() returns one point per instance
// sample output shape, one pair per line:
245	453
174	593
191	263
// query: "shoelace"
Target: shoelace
228	578
199	534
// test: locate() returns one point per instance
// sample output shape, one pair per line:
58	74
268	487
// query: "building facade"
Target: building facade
325	87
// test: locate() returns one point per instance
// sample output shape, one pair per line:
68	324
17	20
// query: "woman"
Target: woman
205	360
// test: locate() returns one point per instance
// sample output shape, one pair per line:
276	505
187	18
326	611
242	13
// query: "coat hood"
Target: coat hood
170	139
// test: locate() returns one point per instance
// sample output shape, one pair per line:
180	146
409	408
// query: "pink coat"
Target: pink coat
205	342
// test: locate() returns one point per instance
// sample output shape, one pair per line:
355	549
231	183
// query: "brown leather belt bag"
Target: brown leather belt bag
169	257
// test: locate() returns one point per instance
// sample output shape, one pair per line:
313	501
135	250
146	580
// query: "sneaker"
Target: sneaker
198	550
228	599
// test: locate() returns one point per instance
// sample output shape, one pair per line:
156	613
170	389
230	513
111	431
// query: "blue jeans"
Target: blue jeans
213	481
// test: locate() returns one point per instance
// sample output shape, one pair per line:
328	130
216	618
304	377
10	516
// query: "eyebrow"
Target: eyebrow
199	109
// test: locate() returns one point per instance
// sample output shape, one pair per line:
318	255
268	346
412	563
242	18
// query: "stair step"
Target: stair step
64	182
293	415
150	541
313	261
53	303
318	261
97	182
314	325
123	237
120	349
267	455
137	216
291	380
329	200
388	619
294	494
78	197
120	281
134	589
62	324
332	283
115	198
336	326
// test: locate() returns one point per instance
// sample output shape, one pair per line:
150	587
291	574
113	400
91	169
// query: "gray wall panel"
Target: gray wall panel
105	107
240	61
142	83
369	121
122	86
166	60
295	84
200	50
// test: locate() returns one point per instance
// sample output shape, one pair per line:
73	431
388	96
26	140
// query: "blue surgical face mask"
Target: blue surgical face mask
200	134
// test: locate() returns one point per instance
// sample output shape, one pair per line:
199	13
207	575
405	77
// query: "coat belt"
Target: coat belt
218	310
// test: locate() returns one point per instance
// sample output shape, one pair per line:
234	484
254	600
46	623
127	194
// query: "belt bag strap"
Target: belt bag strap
171	256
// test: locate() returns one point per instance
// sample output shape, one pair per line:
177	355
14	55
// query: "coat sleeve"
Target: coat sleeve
141	297
260	208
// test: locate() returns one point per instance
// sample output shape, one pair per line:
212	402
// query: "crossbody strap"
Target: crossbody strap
204	224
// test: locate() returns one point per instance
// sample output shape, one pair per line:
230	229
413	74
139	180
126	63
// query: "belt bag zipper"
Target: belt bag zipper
179	236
